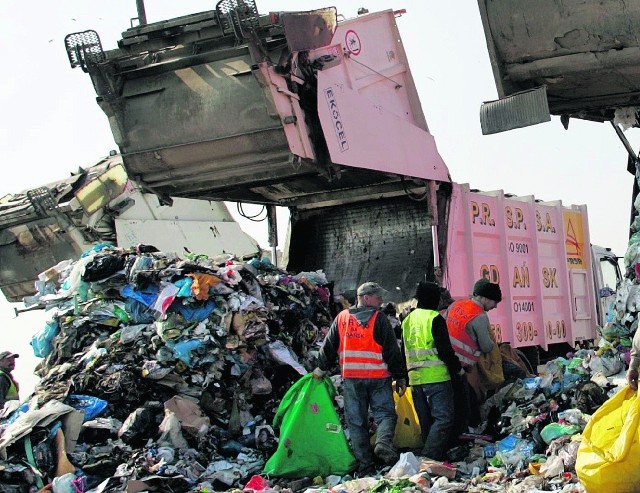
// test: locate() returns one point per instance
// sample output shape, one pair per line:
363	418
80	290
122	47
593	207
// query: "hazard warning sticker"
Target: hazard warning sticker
352	42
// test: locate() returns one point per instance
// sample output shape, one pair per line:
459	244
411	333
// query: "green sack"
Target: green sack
312	441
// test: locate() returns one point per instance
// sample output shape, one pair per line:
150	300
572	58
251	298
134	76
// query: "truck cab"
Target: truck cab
607	276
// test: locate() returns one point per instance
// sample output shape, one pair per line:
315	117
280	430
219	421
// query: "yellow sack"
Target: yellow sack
407	433
490	367
609	454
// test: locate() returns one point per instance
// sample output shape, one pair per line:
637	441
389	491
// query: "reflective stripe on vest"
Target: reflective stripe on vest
459	315
423	362
360	355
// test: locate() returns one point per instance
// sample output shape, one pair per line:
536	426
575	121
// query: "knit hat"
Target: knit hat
487	289
428	295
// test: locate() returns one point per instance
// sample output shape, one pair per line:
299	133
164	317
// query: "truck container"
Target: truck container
322	116
574	59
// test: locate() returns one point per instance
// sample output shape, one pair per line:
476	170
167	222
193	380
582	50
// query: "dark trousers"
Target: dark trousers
435	410
467	407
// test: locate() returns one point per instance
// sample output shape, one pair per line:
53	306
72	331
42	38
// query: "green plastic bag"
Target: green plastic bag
312	441
555	430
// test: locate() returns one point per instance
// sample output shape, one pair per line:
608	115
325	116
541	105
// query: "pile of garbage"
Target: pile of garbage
163	368
162	373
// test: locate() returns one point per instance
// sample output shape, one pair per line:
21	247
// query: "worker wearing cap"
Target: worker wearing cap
8	386
431	362
364	342
469	331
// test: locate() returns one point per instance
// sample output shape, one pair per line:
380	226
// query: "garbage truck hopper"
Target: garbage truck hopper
233	105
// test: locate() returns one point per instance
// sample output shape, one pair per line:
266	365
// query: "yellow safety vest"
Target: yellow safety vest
423	362
12	393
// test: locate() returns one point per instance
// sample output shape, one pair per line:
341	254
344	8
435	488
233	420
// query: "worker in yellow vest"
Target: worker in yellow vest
431	362
8	386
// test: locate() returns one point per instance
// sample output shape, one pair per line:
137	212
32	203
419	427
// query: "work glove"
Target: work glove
400	386
632	379
318	373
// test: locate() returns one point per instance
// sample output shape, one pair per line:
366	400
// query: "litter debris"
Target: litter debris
167	373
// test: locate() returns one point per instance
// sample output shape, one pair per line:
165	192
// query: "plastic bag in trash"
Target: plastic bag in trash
608	454
41	342
407	465
64	483
92	406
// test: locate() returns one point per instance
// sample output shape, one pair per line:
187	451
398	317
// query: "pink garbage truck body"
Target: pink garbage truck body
540	254
320	115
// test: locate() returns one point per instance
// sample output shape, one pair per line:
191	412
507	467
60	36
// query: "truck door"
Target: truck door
606	275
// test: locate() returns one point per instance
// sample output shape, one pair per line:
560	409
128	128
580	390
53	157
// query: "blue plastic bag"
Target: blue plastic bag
92	406
42	341
16	414
183	349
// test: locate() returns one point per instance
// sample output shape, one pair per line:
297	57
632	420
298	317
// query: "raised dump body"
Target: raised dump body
275	109
585	53
539	253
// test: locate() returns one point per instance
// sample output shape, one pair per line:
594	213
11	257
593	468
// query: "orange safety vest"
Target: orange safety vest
360	355
459	315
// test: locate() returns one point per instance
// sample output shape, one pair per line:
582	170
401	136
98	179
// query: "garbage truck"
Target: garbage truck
301	110
99	204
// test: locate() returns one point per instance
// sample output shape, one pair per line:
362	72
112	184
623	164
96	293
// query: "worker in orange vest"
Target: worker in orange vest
469	331
365	344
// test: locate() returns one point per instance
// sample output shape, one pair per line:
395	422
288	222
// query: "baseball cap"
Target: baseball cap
372	288
8	354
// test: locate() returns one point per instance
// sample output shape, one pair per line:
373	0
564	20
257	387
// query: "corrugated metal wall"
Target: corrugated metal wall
387	241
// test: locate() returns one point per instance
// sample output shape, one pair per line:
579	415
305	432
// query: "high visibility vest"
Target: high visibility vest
360	355
12	393
459	315
423	362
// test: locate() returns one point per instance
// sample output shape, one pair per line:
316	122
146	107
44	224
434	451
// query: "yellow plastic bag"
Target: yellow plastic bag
490	367
407	433
609	454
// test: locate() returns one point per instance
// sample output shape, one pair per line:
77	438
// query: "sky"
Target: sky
52	124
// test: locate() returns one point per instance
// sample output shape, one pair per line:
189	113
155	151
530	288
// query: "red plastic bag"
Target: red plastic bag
256	484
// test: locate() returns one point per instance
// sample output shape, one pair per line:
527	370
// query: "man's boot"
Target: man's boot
387	453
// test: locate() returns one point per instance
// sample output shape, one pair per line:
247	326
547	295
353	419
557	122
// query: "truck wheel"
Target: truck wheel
531	358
